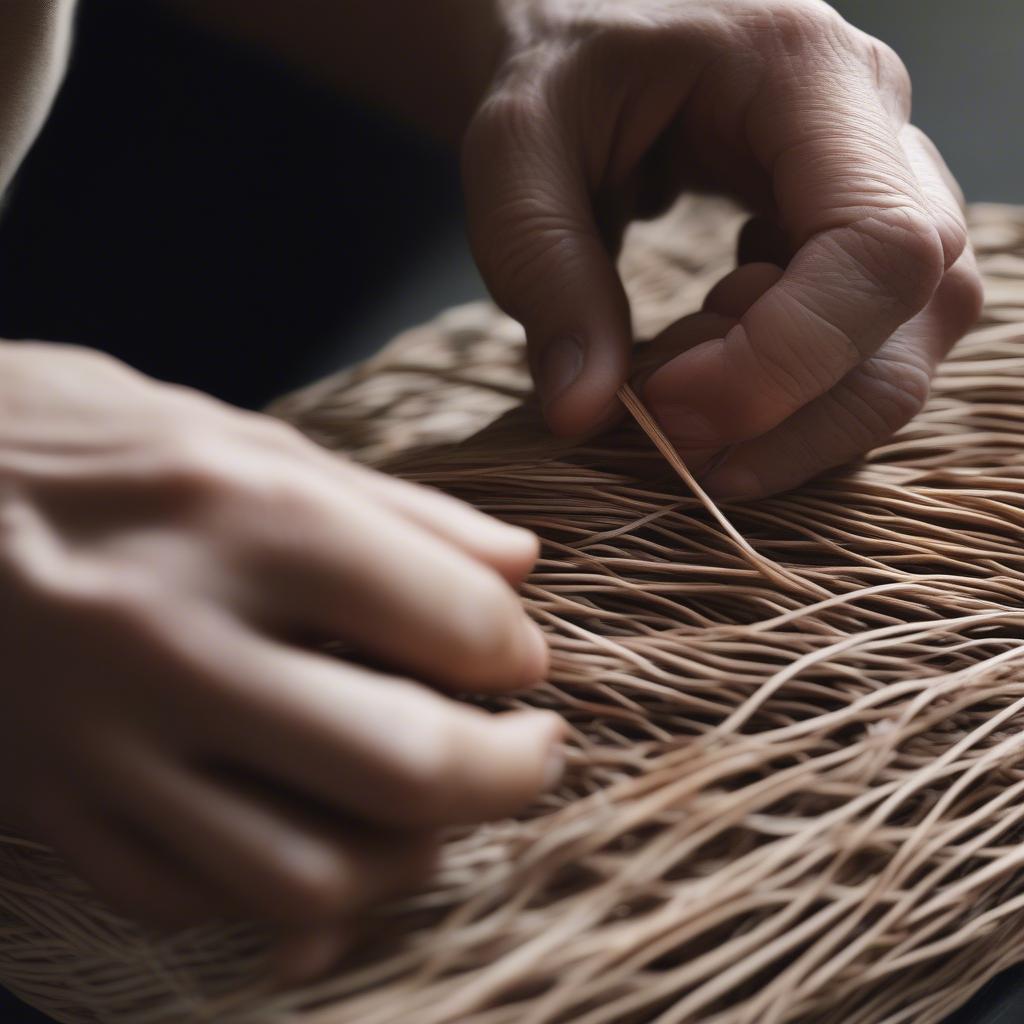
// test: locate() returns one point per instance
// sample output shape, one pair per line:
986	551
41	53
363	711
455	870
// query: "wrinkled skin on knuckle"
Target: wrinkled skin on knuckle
194	468
790	378
518	223
237	496
952	234
268	432
795	28
510	110
889	74
900	248
53	579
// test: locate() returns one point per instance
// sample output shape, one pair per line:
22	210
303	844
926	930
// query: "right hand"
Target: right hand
168	565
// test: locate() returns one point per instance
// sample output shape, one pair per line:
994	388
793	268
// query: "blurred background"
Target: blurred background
216	220
967	63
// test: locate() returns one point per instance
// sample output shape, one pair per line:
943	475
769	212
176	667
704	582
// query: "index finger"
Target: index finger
870	255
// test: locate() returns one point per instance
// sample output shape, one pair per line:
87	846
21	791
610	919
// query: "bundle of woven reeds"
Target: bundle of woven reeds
796	784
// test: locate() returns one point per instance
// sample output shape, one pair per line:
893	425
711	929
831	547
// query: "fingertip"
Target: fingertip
519	551
554	768
577	383
584	413
544	732
681	393
497	766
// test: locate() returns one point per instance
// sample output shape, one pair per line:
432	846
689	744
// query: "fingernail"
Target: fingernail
732	482
554	767
560	364
527	539
542	733
554	764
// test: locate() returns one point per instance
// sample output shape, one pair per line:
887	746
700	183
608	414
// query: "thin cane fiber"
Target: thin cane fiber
796	784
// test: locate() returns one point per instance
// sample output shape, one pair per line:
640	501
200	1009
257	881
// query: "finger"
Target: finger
865	409
940	189
541	254
273	862
680	336
354	571
132	876
510	550
727	301
380	748
870	256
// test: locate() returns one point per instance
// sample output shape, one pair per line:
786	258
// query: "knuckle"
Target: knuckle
890	74
202	472
416	783
902	248
194	467
117	601
796	25
275	433
953	235
510	112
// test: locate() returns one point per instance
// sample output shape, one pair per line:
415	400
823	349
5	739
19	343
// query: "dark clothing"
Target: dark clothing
204	215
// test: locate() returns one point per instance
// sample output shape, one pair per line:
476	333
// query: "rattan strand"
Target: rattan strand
796	784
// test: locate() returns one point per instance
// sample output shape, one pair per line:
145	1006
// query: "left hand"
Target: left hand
600	113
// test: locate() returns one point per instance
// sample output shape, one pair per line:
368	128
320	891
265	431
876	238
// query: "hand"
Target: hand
168	566
603	113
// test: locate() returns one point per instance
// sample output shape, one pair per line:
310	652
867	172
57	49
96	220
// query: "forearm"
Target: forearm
34	42
427	61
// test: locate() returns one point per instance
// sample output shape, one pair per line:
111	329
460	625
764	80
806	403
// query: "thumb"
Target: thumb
535	239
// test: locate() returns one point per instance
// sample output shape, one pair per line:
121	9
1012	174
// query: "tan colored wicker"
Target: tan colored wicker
796	788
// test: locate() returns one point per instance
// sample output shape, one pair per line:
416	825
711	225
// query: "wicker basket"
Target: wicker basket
796	789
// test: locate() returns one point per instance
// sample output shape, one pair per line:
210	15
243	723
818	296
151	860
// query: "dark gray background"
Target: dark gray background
967	62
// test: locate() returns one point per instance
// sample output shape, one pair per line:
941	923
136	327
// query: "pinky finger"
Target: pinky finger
129	874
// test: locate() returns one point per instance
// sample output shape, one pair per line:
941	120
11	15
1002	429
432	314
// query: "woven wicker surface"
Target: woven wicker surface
796	789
